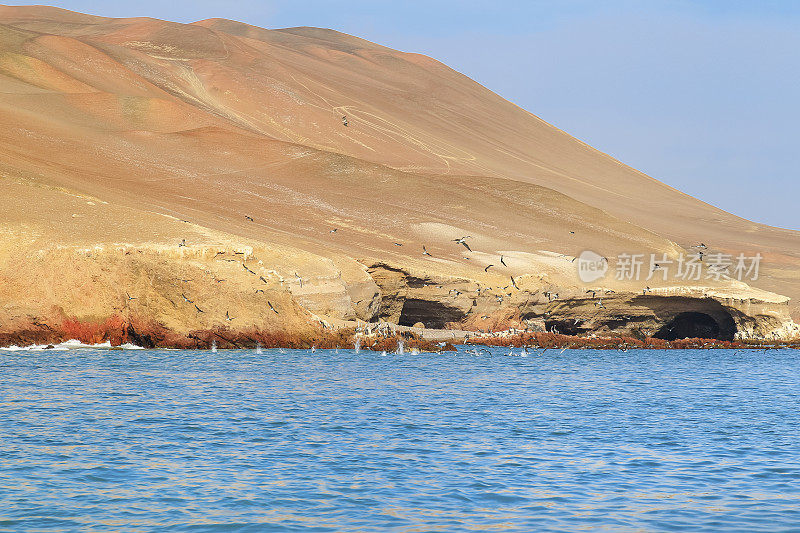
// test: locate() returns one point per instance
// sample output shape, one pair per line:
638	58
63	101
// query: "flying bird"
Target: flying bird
344	120
245	267
229	317
222	252
425	251
262	279
463	241
130	297
514	283
398	244
270	306
198	309
183	243
248	217
502	262
185	299
299	279
487	268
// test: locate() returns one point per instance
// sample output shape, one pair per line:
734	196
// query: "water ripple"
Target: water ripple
235	441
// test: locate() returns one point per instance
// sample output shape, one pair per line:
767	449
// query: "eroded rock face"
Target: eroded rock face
431	312
674	317
407	299
188	296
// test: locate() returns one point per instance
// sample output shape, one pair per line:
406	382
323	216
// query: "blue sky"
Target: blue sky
702	95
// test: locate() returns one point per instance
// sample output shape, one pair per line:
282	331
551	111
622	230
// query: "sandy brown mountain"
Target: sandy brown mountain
184	175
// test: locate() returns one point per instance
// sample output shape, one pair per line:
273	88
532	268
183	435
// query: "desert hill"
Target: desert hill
317	165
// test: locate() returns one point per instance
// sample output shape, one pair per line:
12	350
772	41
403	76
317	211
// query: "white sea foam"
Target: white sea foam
72	344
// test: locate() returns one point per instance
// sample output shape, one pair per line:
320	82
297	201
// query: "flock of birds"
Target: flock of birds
217	255
491	291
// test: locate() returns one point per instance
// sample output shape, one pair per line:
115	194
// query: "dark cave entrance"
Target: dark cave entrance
431	313
564	327
692	325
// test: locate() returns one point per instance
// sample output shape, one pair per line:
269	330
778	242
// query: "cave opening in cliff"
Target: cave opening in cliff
564	327
690	325
431	313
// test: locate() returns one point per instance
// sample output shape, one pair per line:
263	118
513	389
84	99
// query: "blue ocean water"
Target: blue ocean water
98	440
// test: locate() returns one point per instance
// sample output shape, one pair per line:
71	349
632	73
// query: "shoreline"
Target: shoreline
122	335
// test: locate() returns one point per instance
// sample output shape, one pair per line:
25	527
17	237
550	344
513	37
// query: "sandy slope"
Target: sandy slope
215	121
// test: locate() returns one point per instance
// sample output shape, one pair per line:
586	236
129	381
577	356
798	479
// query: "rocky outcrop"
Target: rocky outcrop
236	296
407	298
